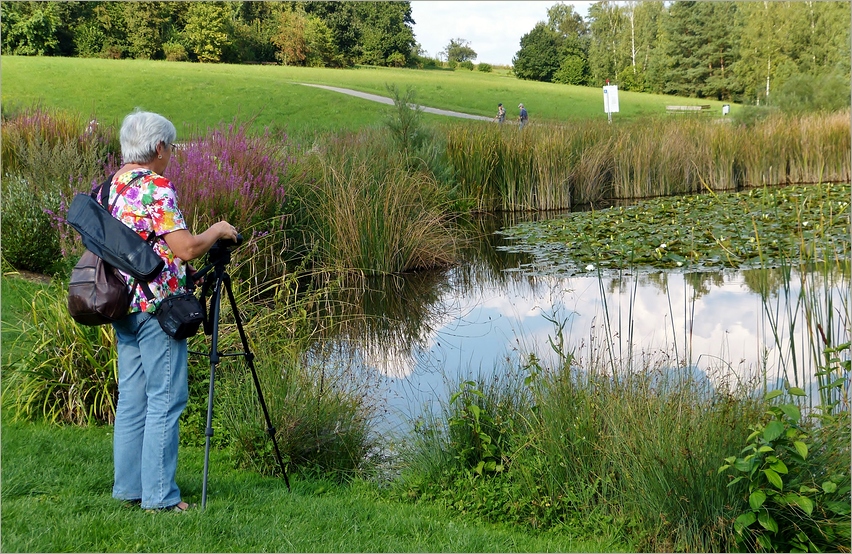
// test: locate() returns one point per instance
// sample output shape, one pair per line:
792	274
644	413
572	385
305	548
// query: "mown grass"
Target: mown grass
207	94
56	484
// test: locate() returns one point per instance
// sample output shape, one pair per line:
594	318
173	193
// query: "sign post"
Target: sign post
610	93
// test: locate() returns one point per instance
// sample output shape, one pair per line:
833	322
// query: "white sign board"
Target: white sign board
610	98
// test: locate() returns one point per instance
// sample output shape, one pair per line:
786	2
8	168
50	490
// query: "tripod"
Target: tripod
218	257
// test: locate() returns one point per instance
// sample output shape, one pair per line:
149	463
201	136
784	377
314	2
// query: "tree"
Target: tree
702	47
385	32
459	50
207	30
608	51
573	44
289	38
538	58
29	28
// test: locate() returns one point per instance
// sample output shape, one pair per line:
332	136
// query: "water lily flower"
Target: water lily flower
663	245
590	267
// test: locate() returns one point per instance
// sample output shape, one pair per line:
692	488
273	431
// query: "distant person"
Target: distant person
522	117
501	114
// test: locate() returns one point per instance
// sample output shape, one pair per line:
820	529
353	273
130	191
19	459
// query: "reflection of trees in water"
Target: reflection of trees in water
767	282
700	282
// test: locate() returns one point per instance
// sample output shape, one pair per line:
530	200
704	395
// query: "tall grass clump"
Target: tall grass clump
322	411
363	211
62	372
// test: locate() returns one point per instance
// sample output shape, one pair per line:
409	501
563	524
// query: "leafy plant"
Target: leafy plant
471	428
791	506
67	373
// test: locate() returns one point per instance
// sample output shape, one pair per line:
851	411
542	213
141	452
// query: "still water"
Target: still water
421	335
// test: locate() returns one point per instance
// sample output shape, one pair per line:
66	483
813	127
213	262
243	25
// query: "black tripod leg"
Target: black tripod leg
215	302
249	356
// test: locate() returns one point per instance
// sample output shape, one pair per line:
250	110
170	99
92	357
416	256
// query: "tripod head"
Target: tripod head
221	250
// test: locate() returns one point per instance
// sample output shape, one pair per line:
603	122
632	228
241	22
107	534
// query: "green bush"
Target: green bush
484	67
803	93
452	64
792	500
175	52
30	241
467	64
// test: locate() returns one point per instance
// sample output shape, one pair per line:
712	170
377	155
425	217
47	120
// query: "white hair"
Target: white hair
140	134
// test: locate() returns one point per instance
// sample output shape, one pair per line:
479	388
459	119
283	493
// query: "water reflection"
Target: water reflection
418	334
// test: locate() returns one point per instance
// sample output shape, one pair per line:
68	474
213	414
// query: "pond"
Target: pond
423	334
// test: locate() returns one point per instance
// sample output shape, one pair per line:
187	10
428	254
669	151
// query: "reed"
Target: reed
551	167
368	213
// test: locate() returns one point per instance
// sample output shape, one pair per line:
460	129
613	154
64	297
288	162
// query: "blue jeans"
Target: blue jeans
152	393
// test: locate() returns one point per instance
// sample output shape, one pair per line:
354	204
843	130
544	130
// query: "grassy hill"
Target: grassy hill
202	95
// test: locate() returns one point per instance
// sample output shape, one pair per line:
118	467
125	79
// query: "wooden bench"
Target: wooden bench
698	108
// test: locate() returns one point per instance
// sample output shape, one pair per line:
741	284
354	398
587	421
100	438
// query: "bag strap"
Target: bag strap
104	191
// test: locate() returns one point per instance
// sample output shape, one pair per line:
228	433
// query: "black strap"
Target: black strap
104	191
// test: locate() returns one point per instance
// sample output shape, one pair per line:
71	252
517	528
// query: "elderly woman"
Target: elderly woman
152	366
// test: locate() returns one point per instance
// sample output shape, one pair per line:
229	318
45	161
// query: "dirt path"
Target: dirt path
386	100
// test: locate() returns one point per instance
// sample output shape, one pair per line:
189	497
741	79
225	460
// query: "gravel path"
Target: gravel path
386	100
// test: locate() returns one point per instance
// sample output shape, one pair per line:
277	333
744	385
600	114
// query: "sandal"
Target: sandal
179	507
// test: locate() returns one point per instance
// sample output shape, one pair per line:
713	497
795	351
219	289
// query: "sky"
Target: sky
492	29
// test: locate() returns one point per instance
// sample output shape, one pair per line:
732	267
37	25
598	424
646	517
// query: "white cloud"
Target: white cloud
493	29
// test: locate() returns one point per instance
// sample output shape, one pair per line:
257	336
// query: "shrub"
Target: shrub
452	64
484	67
467	64
29	240
227	174
175	52
792	502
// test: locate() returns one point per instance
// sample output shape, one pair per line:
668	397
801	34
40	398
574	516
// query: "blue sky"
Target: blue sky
493	29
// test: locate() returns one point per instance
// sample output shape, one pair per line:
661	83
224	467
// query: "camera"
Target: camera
221	249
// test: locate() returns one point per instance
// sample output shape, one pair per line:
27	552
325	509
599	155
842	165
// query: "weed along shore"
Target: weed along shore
578	336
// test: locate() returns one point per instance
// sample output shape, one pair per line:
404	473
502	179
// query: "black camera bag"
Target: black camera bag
110	239
180	315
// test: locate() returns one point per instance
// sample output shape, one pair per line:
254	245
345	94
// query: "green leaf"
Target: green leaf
774	430
839	508
756	499
774	394
791	411
801	448
774	478
737	480
806	504
767	521
796	391
723	468
744	521
765	448
765	542
779	467
474	409
829	487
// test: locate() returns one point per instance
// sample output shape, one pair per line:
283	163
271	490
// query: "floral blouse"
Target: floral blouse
149	205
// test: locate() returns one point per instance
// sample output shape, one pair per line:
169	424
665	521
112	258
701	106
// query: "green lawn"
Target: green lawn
56	484
193	94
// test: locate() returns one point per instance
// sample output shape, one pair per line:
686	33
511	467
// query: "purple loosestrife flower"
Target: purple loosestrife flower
230	175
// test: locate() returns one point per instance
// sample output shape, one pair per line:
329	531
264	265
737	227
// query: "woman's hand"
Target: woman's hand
187	246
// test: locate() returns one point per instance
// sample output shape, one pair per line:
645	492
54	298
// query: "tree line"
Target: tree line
318	34
740	51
